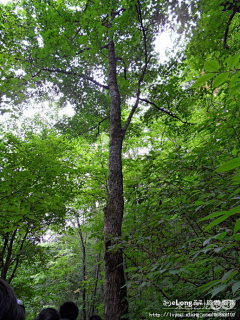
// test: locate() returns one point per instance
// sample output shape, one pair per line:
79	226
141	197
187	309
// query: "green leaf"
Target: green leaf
236	287
174	271
143	284
237	226
218	290
220	79
219	249
224	216
233	61
220	236
234	90
218	221
235	210
236	237
211	65
236	178
199	202
209	285
206	242
234	80
228	275
28	77
231	164
202	80
214	215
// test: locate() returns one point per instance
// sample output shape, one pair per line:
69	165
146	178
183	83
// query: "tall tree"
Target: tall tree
36	185
98	55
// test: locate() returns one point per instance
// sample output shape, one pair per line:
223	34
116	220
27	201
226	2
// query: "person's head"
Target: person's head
69	310
95	317
48	314
21	309
9	308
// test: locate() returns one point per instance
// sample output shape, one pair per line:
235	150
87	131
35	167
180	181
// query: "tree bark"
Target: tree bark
84	275
7	262
114	285
18	257
95	286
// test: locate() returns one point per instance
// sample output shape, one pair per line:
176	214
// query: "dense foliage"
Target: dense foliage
180	135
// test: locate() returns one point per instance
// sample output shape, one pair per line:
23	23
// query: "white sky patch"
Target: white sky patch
68	111
46	111
164	42
35	116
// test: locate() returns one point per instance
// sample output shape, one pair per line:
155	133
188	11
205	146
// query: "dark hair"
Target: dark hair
21	309
95	317
69	310
48	314
9	308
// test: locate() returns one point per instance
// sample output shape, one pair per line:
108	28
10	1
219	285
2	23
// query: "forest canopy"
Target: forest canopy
134	199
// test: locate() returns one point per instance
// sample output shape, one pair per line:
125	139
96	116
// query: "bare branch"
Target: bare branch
77	75
18	256
147	60
91	79
96	126
163	110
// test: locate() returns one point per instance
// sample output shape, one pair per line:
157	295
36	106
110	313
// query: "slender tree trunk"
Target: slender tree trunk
18	257
8	257
114	285
94	291
6	239
84	275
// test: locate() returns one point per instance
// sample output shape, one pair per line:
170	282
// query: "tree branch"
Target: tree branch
18	256
77	75
227	29
94	127
147	59
163	110
91	79
9	255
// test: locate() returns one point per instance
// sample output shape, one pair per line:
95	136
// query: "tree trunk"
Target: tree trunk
84	275
114	286
18	257
95	286
9	256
